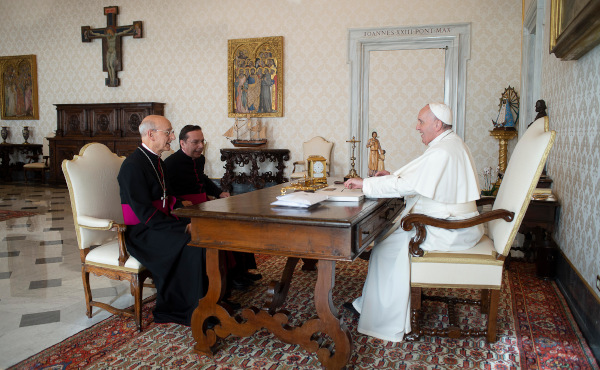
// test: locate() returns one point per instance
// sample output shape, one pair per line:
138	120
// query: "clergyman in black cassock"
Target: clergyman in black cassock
155	237
185	170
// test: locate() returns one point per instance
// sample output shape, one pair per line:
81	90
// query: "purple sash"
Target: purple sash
131	219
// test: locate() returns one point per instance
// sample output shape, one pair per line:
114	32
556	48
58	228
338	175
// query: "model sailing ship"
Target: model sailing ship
247	132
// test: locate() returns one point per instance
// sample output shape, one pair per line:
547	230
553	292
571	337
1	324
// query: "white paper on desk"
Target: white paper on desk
339	193
299	199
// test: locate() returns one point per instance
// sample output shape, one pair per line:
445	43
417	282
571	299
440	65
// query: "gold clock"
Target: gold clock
317	167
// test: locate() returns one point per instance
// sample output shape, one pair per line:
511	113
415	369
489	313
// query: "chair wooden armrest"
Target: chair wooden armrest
296	163
419	221
108	225
123	254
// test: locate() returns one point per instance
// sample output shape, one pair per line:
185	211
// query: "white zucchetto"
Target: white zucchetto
442	112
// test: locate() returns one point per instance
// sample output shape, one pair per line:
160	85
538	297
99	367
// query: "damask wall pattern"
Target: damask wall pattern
571	90
182	61
402	81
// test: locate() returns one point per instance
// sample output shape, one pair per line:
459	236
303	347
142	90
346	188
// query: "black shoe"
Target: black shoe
233	305
239	283
211	322
251	276
350	307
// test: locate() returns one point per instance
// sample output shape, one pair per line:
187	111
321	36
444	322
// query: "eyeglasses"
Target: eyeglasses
168	132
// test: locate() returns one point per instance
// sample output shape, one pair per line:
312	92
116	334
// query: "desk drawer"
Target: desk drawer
377	223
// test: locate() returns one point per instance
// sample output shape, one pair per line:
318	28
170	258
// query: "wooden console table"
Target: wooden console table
6	149
112	124
539	221
252	156
330	232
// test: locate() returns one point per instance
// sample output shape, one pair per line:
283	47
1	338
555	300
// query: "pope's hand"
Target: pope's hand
354	183
382	173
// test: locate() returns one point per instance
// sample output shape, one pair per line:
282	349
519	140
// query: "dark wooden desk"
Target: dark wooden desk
252	156
330	232
6	149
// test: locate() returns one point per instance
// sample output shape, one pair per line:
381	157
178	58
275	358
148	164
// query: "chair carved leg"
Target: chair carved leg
136	288
85	276
493	315
485	300
415	315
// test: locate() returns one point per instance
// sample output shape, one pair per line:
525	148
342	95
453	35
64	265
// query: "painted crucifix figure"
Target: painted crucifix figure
111	42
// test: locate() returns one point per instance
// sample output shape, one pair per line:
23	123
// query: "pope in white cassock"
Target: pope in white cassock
440	183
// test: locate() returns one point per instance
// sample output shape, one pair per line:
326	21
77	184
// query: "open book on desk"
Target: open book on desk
338	193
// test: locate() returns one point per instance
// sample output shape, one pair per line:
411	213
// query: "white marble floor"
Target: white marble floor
41	292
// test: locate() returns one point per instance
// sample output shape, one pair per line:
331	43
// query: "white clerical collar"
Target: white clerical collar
439	137
150	150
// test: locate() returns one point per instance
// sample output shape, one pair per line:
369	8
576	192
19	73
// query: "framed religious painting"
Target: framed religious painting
18	87
255	77
574	27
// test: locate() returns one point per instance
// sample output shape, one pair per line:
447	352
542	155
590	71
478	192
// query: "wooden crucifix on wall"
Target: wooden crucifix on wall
111	42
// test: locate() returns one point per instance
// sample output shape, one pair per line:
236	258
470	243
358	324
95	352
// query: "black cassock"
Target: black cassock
159	240
186	177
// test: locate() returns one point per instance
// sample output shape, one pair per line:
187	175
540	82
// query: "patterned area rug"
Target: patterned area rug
5	215
535	331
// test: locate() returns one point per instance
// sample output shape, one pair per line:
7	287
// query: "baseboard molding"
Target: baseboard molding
584	305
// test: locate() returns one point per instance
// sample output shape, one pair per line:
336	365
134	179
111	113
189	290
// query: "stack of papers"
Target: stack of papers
339	193
299	199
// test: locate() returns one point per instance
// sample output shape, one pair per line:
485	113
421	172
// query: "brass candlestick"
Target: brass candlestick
352	174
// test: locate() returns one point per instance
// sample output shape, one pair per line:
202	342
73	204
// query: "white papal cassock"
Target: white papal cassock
441	183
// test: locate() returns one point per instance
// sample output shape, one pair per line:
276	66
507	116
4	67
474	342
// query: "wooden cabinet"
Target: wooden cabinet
112	124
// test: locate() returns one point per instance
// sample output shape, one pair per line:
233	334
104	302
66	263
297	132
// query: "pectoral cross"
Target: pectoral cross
111	42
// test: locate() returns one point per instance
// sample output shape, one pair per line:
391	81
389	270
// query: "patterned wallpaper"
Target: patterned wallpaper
182	61
571	90
397	94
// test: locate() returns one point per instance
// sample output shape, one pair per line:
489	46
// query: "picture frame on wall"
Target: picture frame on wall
18	87
255	77
574	27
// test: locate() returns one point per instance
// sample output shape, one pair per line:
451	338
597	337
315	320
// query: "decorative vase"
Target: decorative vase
4	134
25	134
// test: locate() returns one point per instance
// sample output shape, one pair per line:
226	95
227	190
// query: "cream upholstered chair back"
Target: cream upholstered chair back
92	180
315	146
520	179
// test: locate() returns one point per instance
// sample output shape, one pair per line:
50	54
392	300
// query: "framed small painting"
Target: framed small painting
18	87
255	77
574	27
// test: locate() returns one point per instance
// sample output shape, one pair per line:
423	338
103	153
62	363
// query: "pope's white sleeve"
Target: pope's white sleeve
390	186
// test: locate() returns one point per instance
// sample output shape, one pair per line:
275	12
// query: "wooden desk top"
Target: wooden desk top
329	230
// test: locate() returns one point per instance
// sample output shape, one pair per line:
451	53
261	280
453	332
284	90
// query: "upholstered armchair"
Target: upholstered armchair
482	266
315	146
94	191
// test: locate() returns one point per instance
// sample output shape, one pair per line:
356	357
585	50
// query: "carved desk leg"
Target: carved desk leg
328	323
331	324
208	306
